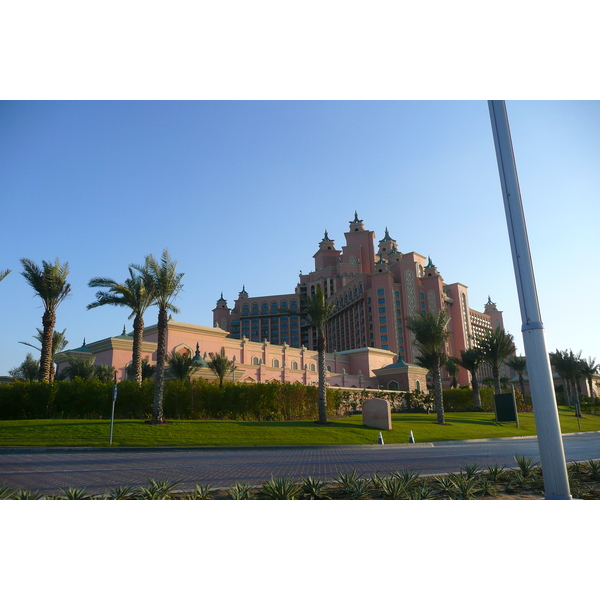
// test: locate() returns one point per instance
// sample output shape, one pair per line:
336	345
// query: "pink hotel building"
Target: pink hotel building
369	345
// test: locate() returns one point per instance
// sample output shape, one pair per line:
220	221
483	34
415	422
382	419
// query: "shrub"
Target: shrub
461	399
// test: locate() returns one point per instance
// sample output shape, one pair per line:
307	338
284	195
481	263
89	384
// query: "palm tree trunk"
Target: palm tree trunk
48	321
496	375
576	399
136	358
159	377
476	393
567	387
322	378
439	394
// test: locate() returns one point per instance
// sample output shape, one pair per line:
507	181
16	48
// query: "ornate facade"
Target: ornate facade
374	289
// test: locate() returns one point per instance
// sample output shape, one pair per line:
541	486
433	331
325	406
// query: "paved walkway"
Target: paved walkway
49	470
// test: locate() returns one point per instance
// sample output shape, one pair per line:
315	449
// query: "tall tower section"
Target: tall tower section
358	255
221	314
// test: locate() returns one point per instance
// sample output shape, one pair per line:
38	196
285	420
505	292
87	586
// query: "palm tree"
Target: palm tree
104	373
317	312
497	346
471	360
3	274
148	370
49	283
133	294
59	343
78	367
164	284
430	337
181	366
568	366
518	364
28	370
220	365
588	369
559	362
452	365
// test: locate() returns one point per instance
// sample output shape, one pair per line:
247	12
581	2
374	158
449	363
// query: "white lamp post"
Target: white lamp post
552	454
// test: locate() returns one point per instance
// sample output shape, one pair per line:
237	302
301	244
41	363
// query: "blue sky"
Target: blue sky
241	192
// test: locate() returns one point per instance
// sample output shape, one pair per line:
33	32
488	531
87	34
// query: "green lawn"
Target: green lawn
461	426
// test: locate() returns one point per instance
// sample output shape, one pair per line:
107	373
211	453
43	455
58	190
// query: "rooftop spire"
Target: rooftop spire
387	237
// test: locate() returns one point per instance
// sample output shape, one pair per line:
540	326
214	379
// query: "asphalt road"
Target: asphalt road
49	470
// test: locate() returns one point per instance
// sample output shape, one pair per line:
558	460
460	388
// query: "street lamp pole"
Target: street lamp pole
552	454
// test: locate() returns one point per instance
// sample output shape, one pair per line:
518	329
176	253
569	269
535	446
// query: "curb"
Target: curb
65	449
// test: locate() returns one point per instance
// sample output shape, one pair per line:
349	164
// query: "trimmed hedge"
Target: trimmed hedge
201	399
198	399
461	399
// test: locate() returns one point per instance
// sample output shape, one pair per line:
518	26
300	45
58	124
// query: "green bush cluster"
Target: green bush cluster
198	399
461	399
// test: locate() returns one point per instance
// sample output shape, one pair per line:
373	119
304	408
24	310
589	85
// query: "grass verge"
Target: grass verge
350	430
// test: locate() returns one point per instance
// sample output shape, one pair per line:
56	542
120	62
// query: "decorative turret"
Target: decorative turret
198	361
490	305
387	245
221	314
221	302
327	255
124	335
357	224
243	293
430	268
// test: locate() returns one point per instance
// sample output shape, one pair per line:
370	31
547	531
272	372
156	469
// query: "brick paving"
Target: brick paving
100	469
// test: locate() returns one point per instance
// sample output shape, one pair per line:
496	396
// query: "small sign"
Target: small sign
505	406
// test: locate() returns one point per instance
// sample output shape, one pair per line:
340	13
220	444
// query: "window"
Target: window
294	365
312	367
380	292
276	363
255	360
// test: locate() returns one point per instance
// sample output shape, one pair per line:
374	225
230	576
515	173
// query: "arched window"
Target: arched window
276	363
393	385
312	367
294	365
255	360
329	368
418	385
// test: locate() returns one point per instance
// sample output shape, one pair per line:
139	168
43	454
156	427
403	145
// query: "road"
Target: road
49	470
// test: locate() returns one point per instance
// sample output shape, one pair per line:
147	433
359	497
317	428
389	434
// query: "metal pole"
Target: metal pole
552	454
112	416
